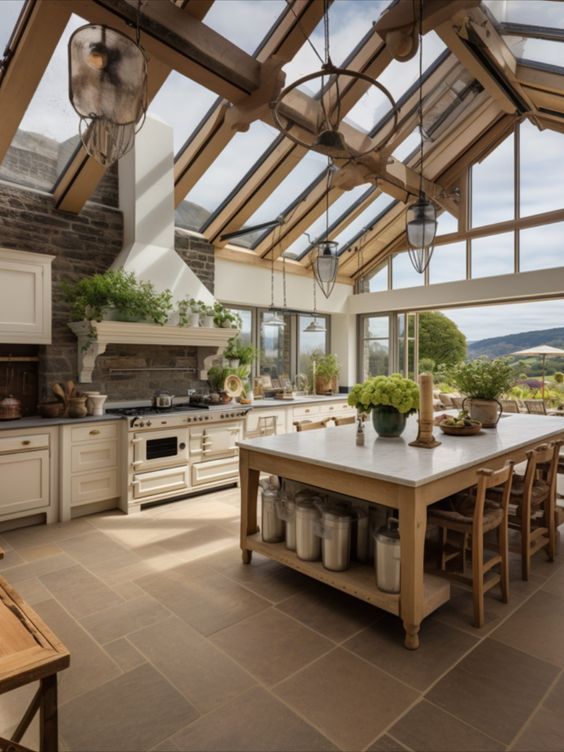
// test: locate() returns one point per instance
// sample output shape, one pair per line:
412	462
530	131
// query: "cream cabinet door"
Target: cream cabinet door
25	297
24	481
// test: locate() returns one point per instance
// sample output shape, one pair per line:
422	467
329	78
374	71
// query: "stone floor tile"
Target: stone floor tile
536	628
348	699
209	603
79	591
555	583
11	559
38	568
124	617
495	688
253	722
128	590
206	676
285	645
167	746
131	713
124	654
32	553
332	613
441	646
37	535
90	666
427	728
385	743
267	578
32	591
197	543
91	547
545	730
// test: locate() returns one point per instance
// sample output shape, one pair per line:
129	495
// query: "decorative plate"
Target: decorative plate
233	385
472	430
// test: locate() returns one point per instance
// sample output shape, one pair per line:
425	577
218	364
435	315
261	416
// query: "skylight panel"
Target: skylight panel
50	125
244	22
229	168
336	210
530	12
9	13
531	50
182	103
365	219
408	145
398	78
349	22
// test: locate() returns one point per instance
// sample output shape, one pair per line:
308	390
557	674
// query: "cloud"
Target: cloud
495	321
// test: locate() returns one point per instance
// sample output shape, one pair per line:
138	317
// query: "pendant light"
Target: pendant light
421	217
326	261
315	325
273	318
107	88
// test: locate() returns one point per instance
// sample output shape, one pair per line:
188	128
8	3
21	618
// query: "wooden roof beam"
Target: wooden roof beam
35	42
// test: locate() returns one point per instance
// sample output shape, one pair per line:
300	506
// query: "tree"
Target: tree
440	339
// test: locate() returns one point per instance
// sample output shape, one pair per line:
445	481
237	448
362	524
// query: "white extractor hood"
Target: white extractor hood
146	198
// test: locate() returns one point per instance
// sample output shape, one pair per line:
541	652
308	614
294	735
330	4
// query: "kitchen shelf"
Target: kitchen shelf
210	341
358	581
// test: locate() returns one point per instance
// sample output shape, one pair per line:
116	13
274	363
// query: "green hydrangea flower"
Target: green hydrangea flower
394	390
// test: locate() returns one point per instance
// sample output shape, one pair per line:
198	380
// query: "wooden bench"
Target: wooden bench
29	652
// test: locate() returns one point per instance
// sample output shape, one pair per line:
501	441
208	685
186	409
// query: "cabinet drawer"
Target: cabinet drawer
265	422
97	486
93	456
17	442
215	471
172	479
89	431
306	411
24	481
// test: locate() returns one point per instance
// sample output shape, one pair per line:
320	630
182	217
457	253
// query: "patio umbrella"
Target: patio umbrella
543	351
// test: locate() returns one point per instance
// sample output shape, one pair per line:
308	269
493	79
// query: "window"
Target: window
493	255
310	342
378	282
542	169
246	314
407	344
375	346
446	223
541	247
492	186
275	348
448	263
404	273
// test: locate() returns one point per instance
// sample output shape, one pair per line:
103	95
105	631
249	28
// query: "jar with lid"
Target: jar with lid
336	540
387	558
272	527
287	512
308	542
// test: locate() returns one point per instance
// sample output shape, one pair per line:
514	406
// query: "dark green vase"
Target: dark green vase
388	421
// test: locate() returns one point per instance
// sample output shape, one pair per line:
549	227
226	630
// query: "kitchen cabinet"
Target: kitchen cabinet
278	419
25	297
28	483
90	472
266	421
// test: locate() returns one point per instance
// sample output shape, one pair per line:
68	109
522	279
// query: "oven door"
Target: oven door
214	441
153	450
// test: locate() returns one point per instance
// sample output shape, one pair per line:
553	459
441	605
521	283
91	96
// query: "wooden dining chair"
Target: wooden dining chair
309	425
535	407
345	421
509	406
472	515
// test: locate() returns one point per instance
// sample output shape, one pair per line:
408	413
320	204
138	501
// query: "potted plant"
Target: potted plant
483	381
239	354
189	310
207	315
225	318
231	353
390	399
325	371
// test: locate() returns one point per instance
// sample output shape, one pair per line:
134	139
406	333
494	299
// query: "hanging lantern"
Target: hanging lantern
421	227
315	326
325	265
274	319
108	89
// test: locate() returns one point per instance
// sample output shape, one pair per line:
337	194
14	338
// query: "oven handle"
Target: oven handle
137	462
137	441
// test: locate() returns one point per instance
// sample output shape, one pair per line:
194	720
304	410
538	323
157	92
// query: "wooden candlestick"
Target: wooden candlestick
425	436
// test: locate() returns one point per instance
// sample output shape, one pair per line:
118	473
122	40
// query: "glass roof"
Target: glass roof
364	220
349	22
231	165
245	24
397	78
50	125
182	103
543	51
10	12
336	210
408	145
529	12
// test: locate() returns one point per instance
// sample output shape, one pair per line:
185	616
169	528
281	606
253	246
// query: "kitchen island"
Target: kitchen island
387	472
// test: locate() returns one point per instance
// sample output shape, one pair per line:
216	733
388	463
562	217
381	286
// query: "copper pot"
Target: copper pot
10	408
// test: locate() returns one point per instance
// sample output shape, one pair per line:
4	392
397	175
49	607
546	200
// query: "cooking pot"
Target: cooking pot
162	399
10	408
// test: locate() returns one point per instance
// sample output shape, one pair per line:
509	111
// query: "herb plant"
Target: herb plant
483	378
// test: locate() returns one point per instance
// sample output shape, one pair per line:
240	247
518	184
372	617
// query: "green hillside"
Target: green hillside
495	347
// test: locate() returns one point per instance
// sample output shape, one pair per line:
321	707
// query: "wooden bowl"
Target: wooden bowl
472	430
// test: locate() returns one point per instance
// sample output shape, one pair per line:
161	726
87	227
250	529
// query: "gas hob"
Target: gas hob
177	415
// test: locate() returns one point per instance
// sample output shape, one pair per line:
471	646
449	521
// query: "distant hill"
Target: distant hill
495	347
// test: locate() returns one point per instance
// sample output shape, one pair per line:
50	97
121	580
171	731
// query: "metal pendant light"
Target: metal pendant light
315	325
326	261
421	217
108	89
273	318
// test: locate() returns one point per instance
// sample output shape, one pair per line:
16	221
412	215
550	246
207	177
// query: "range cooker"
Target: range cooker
181	450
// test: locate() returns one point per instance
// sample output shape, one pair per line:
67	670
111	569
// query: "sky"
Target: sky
183	103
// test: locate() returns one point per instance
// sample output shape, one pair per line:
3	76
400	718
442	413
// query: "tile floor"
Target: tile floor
175	645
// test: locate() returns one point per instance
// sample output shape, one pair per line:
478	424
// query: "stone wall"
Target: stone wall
84	244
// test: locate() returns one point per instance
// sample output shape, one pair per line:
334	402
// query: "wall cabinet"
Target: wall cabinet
25	297
90	467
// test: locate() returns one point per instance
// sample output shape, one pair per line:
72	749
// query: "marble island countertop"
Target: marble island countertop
301	400
395	461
